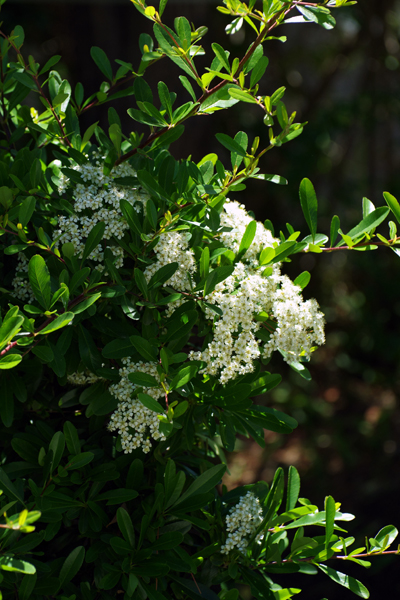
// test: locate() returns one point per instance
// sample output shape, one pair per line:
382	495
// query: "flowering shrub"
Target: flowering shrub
140	306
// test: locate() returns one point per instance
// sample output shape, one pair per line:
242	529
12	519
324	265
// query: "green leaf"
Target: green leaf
370	222
230	144
386	536
220	54
293	488
57	445
7	563
71	438
258	71
118	349
184	375
26	210
72	565
330	511
145	349
319	15
335	226
303	279
101	60
118	496
393	204
247	239
93	239
39	278
7	486
168	541
88	351
282	251
162	275
204	483
150	403
165	98
9	361
35	173
188	87
161	8
309	205
125	526
9	329
86	302
27	586
143	379
58	323
215	277
242	95
350	583
115	134
80	460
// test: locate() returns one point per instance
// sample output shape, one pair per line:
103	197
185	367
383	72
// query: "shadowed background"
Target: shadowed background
346	84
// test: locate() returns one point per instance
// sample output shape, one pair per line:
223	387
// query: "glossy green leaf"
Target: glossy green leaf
220	54
230	144
102	62
393	204
184	375
162	275
57	446
203	483
125	526
303	279
346	581
9	361
8	563
293	488
165	98
150	403
143	379
93	239
71	438
145	349
26	210
9	329
79	460
72	565
335	226
258	70
39	278
370	222
247	239
330	511
57	323
215	277
7	486
309	205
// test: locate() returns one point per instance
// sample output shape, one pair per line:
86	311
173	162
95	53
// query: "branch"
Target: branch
271	24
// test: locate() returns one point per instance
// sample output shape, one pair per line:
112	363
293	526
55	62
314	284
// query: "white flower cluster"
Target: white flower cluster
98	200
83	378
300	324
135	423
173	247
247	293
236	217
242	522
22	287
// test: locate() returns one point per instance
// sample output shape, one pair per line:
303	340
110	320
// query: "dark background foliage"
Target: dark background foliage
345	83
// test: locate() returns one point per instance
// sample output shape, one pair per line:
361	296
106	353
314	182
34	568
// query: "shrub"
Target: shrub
140	308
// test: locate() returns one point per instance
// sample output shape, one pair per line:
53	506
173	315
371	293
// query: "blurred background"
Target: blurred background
346	84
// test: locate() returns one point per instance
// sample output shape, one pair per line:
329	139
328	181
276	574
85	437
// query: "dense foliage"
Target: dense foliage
140	307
